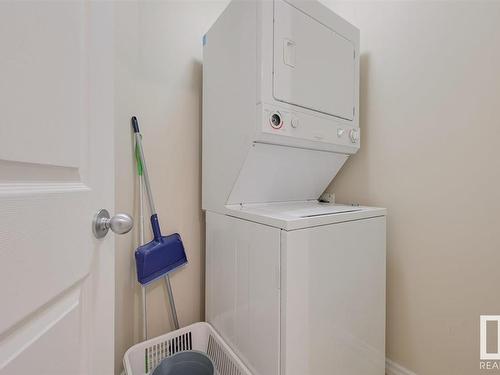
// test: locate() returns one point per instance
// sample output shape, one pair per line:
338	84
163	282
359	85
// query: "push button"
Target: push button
354	135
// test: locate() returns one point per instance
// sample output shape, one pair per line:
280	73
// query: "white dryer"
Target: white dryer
295	286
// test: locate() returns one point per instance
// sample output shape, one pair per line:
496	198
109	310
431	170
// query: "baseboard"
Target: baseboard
392	368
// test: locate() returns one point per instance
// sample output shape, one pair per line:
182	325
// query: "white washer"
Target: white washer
299	288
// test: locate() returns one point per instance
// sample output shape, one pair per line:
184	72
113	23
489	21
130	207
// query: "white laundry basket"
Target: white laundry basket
142	359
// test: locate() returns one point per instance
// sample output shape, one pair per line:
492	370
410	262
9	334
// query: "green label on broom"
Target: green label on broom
138	159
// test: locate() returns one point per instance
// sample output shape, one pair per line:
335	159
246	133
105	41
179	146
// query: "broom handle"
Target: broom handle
138	140
173	310
141	242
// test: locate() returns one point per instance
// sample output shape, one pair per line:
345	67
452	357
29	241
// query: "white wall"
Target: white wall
430	120
158	78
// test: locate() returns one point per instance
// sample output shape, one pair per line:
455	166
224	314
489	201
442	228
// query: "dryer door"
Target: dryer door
314	67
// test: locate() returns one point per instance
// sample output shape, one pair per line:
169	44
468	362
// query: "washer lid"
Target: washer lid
302	214
314	66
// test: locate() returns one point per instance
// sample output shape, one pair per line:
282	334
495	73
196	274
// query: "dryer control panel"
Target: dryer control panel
279	124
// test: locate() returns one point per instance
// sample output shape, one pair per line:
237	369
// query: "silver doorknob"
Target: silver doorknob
102	223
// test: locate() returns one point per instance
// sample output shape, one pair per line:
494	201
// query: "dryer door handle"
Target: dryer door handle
289	52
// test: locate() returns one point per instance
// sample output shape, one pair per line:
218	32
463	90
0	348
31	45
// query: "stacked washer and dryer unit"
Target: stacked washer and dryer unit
295	286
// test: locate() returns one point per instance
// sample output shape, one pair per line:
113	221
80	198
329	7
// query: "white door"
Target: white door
56	171
314	67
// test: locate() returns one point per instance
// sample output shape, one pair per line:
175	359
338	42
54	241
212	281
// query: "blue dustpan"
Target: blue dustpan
160	256
164	253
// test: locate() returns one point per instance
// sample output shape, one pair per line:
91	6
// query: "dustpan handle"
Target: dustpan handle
155	225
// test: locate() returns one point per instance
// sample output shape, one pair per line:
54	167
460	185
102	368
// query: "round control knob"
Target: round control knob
295	122
354	135
276	121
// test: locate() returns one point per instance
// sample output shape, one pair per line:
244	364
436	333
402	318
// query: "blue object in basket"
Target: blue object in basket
190	362
164	253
